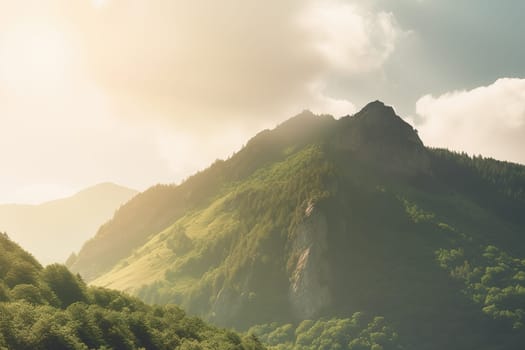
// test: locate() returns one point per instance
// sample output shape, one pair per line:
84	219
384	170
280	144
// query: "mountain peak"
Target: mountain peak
377	106
376	113
105	188
377	134
380	123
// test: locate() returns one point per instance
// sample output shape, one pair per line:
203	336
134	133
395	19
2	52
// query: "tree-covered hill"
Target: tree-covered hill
324	218
51	309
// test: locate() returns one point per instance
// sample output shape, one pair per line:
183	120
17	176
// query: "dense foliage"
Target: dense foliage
356	333
492	278
50	308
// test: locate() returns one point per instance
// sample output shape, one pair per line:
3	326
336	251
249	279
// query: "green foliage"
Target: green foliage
4	292
83	326
16	265
416	214
58	311
28	293
67	287
179	243
504	177
495	185
355	333
492	278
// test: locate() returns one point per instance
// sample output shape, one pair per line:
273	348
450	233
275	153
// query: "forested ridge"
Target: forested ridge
52	309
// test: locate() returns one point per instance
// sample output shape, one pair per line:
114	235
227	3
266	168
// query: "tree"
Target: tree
67	287
27	292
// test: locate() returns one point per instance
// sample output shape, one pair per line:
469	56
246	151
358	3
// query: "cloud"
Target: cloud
135	91
198	61
488	120
350	37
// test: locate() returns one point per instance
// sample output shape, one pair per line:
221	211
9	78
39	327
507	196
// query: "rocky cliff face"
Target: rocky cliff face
309	292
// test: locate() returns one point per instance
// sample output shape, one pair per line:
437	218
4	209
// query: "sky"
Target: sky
140	92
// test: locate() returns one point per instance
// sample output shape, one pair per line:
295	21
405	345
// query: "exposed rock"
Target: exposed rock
309	292
377	135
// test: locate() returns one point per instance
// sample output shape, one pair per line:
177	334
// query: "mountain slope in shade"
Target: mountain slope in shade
52	230
324	218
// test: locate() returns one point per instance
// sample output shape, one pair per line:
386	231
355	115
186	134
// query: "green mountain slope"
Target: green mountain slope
160	206
70	221
328	218
51	309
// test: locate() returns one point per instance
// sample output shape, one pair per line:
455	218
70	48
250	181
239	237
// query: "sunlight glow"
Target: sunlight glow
34	58
99	3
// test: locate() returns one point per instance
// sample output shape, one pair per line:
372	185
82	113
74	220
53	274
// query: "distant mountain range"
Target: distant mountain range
330	220
51	231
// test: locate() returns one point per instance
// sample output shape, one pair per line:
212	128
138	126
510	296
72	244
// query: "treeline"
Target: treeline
50	308
495	185
508	177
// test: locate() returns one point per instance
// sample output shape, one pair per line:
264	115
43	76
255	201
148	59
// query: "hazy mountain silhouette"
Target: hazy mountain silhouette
53	230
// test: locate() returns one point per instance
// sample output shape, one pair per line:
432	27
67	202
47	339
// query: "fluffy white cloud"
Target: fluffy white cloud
488	120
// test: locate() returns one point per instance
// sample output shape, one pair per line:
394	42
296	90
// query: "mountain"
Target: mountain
52	230
52	309
347	232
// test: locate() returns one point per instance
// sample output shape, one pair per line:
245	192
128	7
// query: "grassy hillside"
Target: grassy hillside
325	218
70	221
50	308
